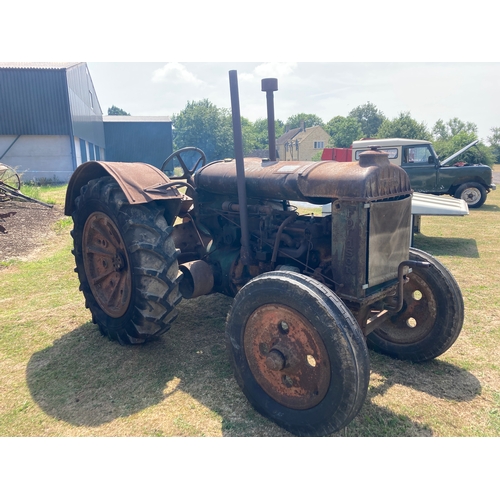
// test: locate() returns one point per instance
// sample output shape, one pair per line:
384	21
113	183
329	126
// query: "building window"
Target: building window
83	150
319	144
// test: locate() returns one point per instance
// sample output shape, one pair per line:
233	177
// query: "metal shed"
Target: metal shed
146	139
51	119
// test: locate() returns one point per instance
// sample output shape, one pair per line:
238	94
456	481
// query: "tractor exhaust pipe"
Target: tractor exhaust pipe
240	167
270	85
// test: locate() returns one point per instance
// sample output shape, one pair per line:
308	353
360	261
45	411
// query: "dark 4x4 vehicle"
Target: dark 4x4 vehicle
429	175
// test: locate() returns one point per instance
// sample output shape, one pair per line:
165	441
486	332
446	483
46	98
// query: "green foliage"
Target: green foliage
403	126
261	134
343	131
494	140
113	110
453	135
444	131
310	120
203	125
369	117
250	140
477	154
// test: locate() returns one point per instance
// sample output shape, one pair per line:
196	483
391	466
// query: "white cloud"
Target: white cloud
175	73
275	70
270	70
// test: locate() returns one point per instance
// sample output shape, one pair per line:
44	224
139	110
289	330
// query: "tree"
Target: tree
343	131
308	119
444	131
403	126
113	110
261	132
369	117
477	154
494	141
203	125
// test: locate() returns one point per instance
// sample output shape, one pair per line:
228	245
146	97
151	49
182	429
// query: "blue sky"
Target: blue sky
429	91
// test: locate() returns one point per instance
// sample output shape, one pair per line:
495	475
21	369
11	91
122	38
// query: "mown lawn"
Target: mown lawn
60	377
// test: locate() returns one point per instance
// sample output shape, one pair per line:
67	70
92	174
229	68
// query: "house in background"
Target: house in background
301	143
50	119
146	139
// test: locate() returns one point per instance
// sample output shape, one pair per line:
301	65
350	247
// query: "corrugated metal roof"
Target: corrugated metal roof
38	65
125	118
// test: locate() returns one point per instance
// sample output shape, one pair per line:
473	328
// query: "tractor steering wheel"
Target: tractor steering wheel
187	172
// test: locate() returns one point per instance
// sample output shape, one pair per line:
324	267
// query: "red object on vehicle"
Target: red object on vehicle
337	154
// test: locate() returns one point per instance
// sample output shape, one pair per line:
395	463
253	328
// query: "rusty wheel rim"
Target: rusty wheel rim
287	356
106	265
417	317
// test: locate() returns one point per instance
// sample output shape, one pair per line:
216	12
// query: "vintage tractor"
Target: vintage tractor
311	291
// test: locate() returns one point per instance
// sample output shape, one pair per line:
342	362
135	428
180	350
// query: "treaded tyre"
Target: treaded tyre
298	354
126	262
431	318
473	193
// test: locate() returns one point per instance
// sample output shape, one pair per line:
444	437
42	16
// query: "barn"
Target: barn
50	119
51	122
146	139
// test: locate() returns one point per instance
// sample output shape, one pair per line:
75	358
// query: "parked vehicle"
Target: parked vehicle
427	173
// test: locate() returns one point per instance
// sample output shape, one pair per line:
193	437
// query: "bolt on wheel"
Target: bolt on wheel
287	356
298	353
431	318
106	264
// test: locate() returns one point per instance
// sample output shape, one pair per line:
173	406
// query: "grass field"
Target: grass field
60	377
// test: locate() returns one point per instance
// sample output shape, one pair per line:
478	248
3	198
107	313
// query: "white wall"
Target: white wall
37	157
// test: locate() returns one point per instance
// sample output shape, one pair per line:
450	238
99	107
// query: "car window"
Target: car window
393	153
415	155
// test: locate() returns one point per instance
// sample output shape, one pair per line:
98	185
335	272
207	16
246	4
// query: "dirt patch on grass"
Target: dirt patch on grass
27	229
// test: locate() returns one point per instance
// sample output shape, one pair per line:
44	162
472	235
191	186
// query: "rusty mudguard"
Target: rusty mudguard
140	182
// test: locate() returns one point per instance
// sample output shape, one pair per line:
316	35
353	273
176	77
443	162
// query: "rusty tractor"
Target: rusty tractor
311	292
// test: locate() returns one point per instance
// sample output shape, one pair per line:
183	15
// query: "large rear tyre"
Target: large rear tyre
126	262
431	318
298	353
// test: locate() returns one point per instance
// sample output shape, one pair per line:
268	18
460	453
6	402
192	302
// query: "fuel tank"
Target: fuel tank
373	178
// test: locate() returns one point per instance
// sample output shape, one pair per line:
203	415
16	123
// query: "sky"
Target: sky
389	53
428	90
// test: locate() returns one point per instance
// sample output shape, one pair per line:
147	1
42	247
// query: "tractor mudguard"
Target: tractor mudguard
140	182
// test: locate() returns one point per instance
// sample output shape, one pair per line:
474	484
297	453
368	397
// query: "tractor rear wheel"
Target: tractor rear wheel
298	353
126	262
431	318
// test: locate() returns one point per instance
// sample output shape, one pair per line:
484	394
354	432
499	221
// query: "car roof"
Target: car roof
366	143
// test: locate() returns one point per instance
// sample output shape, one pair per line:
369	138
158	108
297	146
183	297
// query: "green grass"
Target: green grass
60	377
50	194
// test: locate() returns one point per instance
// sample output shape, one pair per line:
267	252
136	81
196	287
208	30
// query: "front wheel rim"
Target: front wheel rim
471	195
106	265
287	356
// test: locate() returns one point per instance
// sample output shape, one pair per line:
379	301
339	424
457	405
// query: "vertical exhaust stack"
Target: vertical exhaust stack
270	85
240	167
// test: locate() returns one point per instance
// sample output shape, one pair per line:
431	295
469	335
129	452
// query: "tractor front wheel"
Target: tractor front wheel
126	262
431	317
298	353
